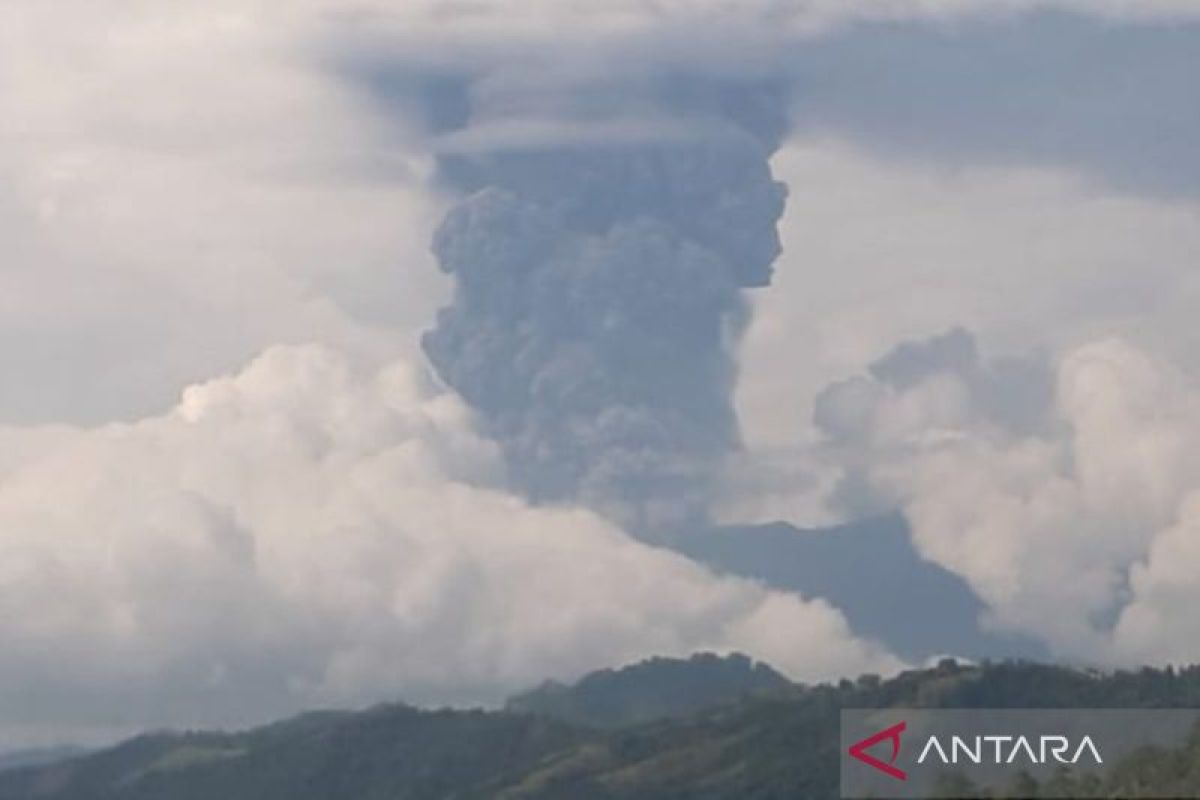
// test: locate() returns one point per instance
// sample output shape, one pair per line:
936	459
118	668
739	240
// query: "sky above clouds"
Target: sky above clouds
230	486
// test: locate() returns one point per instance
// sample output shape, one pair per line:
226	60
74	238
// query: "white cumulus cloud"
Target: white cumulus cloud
877	252
1080	530
309	532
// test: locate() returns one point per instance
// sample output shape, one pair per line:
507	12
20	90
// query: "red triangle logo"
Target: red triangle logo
859	750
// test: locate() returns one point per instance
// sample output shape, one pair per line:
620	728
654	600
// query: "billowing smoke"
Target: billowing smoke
600	251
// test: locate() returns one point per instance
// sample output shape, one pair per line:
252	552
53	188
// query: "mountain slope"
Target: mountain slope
39	756
780	743
388	752
872	573
656	689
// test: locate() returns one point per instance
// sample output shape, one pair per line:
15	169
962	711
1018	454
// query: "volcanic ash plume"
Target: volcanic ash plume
599	268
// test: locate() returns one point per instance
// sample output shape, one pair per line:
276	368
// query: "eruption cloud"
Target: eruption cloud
600	250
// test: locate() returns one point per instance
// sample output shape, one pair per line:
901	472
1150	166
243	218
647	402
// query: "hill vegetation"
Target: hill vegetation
656	689
759	737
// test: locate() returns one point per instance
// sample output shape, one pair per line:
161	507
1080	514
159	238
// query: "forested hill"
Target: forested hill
651	690
771	742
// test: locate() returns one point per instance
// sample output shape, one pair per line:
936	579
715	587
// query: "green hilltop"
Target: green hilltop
701	728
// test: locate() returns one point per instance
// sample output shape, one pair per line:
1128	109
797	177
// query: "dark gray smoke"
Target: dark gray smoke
599	253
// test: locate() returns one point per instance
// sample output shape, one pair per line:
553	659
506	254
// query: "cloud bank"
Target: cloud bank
1072	511
180	187
549	18
1028	259
308	533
